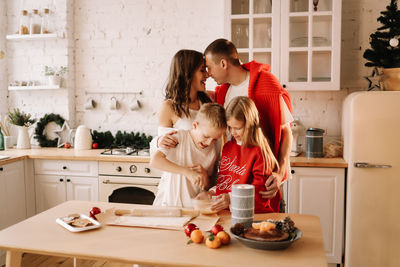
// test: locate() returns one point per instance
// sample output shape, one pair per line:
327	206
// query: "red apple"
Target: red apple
217	228
67	145
94	211
95	145
189	228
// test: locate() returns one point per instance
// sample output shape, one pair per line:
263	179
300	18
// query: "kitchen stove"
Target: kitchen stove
126	151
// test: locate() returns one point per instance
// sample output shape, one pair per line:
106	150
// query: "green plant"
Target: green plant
50	71
20	118
385	49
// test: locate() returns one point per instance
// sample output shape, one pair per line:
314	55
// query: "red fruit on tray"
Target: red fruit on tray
217	228
94	211
189	228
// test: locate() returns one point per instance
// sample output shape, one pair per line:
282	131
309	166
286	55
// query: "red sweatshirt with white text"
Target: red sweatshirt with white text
245	165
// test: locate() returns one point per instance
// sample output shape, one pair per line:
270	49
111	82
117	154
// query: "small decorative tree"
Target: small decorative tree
385	50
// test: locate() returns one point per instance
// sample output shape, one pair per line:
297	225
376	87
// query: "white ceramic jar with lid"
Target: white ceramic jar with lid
83	138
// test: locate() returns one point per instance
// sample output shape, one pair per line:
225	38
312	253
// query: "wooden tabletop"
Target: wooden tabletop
42	235
95	155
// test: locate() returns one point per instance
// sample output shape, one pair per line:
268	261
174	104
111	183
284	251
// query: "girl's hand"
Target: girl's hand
221	202
167	140
204	175
271	184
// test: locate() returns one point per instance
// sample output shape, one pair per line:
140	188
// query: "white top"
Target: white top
186	123
243	90
175	189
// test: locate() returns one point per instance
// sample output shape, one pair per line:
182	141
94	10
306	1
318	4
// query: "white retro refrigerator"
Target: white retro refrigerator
371	132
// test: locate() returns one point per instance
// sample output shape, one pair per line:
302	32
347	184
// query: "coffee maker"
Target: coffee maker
297	129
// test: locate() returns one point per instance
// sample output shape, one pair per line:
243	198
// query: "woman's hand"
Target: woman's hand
167	140
271	184
221	202
204	175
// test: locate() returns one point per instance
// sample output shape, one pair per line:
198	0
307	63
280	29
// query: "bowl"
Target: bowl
204	206
268	245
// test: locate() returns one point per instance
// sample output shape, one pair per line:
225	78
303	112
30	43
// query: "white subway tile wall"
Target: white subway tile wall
127	46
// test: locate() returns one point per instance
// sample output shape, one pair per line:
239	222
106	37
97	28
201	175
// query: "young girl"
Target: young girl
247	158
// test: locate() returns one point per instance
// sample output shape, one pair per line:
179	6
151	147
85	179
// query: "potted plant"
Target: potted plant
385	50
55	74
22	121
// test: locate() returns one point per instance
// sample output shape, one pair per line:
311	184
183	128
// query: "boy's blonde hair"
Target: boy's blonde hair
214	114
242	108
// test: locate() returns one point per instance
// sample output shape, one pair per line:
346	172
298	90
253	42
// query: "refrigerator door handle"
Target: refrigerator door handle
367	165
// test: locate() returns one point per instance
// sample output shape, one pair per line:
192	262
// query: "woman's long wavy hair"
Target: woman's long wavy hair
242	108
183	66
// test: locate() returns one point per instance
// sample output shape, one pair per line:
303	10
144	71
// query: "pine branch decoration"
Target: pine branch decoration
382	53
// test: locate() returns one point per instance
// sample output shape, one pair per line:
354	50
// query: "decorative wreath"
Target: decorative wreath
40	126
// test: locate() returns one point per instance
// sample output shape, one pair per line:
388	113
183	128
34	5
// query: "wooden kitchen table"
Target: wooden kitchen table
41	234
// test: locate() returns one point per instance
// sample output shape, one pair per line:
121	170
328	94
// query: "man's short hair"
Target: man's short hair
223	49
214	113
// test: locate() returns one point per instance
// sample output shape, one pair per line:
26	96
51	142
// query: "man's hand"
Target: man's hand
194	177
167	140
272	186
204	176
221	202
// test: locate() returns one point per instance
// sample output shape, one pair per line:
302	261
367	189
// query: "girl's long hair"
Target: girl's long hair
243	109
183	66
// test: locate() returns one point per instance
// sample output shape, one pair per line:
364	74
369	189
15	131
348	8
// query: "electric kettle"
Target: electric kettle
83	138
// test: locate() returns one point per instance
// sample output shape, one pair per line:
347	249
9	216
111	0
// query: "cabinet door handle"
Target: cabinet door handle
61	180
68	180
1	169
284	85
292	171
64	167
367	165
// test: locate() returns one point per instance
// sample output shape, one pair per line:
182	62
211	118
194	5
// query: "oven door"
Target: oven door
133	190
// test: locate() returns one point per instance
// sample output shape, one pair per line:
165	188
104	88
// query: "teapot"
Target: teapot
83	138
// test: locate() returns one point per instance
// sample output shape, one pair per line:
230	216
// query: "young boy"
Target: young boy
187	167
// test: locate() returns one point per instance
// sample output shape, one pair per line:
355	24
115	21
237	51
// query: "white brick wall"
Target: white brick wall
127	46
3	64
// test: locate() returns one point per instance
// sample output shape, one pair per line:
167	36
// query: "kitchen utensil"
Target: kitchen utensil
114	103
83	138
268	245
135	105
90	104
204	206
314	143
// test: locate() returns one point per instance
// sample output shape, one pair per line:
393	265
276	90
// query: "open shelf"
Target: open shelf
36	87
31	36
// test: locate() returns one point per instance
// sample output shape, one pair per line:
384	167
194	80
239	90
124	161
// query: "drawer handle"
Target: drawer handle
61	180
68	180
292	171
64	167
1	169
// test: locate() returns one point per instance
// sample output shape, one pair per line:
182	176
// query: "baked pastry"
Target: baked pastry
270	235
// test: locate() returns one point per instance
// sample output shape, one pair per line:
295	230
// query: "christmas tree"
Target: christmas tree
385	49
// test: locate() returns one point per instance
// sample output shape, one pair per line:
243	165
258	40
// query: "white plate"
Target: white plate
71	228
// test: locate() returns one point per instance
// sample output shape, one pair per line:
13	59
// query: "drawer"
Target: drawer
66	167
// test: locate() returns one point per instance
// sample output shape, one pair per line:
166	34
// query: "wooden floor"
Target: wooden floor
33	260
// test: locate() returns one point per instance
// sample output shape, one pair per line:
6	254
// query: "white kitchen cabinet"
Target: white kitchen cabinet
12	196
298	39
57	181
320	192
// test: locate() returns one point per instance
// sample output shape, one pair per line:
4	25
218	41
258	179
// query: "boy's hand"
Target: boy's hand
167	140
221	202
204	176
194	177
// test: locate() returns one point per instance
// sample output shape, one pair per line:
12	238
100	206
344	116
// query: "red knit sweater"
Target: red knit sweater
245	165
265	90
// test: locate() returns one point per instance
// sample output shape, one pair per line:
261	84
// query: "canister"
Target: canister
314	143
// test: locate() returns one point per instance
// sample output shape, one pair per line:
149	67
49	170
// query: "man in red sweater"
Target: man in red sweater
272	101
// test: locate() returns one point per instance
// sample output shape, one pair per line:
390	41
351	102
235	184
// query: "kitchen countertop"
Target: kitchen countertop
154	247
94	155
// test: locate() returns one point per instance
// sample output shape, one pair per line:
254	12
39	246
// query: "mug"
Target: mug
90	104
113	103
135	105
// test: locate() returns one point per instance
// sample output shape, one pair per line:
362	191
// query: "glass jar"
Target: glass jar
24	23
45	21
35	22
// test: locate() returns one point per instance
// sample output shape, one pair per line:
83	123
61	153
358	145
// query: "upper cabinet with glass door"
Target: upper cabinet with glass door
310	43
253	26
300	39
